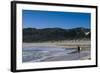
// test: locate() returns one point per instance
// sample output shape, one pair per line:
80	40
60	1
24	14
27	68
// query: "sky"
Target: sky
52	19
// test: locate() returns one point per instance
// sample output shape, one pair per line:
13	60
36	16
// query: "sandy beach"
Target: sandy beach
83	55
84	44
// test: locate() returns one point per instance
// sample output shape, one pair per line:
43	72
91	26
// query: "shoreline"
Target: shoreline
84	44
84	54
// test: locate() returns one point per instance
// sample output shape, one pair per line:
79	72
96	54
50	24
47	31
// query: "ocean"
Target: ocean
39	54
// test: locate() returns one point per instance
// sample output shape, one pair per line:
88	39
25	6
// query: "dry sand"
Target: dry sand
85	44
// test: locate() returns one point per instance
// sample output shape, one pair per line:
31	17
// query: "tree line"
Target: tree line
55	34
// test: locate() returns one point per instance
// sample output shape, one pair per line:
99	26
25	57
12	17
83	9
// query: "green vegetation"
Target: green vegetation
54	34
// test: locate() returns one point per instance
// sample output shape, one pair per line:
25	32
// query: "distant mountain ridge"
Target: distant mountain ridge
55	34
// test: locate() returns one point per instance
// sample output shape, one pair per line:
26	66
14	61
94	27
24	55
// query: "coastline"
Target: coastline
84	54
62	44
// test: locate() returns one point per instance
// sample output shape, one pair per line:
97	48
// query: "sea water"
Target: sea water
38	54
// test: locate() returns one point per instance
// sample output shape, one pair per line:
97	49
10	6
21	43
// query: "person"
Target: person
79	49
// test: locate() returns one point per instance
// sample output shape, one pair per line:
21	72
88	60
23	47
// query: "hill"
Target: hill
54	34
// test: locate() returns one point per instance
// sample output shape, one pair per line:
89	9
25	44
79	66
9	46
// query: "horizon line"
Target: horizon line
57	27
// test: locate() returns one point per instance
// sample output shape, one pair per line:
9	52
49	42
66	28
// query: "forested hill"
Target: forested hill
54	34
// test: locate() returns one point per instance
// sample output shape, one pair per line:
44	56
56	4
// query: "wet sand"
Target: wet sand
84	54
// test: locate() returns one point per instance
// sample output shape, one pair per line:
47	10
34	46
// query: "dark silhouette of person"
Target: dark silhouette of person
78	49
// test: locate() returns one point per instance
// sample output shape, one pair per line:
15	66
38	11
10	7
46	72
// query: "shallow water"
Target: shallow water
38	54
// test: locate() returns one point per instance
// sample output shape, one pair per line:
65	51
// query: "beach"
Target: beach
85	44
63	53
